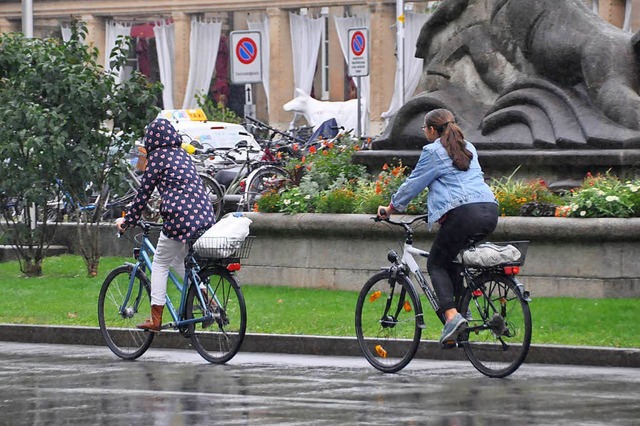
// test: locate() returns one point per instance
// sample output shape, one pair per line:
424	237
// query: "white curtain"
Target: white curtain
342	27
203	51
306	35
165	36
113	31
66	32
412	66
627	16
263	28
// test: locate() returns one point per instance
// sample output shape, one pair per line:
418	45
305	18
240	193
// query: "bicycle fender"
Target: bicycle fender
523	292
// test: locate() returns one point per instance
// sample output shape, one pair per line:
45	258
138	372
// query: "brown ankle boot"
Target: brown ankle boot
155	322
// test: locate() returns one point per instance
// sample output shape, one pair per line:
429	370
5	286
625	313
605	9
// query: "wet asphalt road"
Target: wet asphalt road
45	384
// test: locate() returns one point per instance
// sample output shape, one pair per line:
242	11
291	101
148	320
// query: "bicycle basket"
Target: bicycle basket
223	247
496	254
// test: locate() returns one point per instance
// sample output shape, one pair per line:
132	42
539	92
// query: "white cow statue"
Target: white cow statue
317	112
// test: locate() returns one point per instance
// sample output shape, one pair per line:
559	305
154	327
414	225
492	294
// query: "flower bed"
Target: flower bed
325	180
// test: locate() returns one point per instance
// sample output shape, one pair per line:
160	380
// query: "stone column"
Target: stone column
635	16
612	11
281	84
382	62
337	64
182	27
96	35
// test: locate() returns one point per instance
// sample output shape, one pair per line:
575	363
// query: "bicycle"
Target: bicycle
230	181
389	315
211	312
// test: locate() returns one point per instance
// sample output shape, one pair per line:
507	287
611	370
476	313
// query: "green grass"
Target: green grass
66	296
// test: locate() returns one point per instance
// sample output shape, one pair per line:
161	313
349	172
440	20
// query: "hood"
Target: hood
160	133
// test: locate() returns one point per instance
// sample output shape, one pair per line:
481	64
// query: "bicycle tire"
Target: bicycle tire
388	345
220	340
117	325
215	194
262	180
501	345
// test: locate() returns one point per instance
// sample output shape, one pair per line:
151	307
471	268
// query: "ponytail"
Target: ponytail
451	137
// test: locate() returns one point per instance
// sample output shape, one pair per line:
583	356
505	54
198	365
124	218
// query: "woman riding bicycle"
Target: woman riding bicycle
458	199
185	208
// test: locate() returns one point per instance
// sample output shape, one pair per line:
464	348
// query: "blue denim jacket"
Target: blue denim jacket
448	186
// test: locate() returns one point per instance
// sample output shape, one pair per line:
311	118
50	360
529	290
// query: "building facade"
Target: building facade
330	82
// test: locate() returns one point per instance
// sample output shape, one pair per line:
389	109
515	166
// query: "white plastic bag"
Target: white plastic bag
488	254
224	238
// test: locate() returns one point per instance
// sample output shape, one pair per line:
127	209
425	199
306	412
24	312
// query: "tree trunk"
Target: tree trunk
32	268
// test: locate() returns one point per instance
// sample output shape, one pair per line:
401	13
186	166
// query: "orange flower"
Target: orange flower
330	145
295	146
378	187
312	149
397	171
385	166
325	152
303	159
255	208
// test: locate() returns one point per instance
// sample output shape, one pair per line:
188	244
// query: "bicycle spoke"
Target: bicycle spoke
499	333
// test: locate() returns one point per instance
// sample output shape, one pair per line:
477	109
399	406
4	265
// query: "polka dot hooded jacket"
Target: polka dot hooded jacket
185	206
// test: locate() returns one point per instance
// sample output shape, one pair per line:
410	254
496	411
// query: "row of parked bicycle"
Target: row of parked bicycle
235	175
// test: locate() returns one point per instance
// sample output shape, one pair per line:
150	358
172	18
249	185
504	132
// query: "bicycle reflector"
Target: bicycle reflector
232	267
512	270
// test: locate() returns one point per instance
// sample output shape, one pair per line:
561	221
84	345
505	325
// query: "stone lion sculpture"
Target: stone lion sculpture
525	74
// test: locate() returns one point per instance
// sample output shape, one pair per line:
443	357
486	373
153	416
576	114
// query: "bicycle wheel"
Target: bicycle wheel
386	322
215	194
499	332
120	308
264	179
219	340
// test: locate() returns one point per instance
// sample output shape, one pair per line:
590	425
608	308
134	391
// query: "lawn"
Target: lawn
64	295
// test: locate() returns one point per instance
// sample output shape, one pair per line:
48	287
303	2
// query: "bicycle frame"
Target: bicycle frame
146	251
408	259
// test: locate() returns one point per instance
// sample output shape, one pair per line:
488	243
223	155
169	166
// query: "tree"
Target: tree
63	119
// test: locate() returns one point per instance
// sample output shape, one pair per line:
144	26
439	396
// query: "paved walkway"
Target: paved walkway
318	345
45	384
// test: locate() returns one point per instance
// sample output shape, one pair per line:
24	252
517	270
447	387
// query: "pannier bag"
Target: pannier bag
224	238
489	254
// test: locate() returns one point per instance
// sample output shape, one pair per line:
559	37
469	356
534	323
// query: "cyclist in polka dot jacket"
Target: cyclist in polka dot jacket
185	208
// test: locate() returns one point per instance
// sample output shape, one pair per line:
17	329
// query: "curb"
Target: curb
321	345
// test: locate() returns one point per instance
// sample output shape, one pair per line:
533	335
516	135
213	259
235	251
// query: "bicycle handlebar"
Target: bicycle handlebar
274	130
401	222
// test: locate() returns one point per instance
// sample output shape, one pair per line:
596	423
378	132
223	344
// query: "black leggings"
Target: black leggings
459	225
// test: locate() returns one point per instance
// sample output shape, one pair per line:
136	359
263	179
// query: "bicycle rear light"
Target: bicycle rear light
136	253
512	270
232	267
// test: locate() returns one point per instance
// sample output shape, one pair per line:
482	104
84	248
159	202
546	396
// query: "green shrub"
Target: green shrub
339	200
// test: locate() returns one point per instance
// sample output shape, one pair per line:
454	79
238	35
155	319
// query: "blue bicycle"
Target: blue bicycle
211	311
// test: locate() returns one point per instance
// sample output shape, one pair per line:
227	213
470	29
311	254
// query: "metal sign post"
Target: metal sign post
246	64
358	63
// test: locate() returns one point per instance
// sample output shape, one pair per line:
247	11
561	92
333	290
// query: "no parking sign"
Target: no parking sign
358	52
246	57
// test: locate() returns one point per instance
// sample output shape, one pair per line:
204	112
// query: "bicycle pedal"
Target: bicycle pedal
449	344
